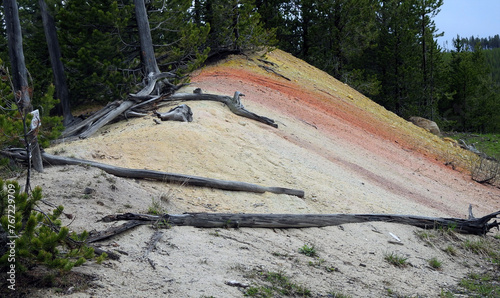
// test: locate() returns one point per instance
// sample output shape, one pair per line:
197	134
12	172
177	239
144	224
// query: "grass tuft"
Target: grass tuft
277	284
396	260
434	263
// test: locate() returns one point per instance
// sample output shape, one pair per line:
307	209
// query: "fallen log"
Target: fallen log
75	129
188	180
477	226
92	124
170	177
106	119
141	102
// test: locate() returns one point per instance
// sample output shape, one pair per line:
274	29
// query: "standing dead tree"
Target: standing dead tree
20	81
62	92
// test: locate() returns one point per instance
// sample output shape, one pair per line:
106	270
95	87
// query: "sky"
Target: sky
478	18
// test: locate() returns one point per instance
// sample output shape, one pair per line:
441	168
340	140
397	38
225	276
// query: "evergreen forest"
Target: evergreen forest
386	49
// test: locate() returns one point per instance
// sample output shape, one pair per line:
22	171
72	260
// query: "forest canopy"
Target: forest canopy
386	49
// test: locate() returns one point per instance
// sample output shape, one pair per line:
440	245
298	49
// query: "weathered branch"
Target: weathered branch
106	119
478	226
269	69
150	246
233	103
171	178
148	89
113	231
90	125
53	160
73	130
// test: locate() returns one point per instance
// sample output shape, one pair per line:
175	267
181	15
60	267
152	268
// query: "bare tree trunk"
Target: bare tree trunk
62	92
16	54
20	77
147	51
187	180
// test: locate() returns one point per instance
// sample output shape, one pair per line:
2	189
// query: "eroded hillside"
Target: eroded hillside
347	153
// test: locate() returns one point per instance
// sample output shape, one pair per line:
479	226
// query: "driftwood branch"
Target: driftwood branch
170	177
53	160
74	129
90	125
150	246
477	226
113	231
269	69
234	104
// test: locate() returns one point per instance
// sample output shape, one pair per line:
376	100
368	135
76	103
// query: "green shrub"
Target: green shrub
11	119
307	250
29	236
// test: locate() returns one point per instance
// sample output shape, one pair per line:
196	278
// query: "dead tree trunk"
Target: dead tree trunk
172	178
52	160
62	92
92	124
476	226
147	51
131	107
20	78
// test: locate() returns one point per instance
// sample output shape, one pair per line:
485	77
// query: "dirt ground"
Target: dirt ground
347	153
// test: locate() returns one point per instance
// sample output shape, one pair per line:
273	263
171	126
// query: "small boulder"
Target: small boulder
426	124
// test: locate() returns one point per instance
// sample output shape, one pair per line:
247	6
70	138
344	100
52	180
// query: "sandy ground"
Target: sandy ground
348	154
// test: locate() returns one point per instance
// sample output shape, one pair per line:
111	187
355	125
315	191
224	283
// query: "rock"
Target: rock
426	124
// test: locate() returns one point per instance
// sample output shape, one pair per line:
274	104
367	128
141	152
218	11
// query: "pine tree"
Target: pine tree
471	103
235	25
179	38
35	237
96	51
342	30
430	59
396	59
